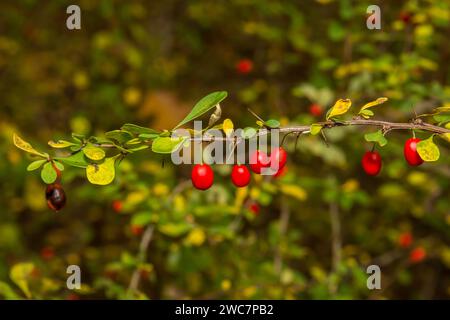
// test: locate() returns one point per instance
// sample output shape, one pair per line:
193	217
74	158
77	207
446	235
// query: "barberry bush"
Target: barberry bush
86	124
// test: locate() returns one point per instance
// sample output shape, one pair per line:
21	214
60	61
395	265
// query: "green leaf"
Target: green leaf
120	136
60	144
377	137
48	173
94	153
167	144
366	114
204	105
315	129
149	136
101	174
137	130
78	137
7	292
59	165
249	132
272	123
35	165
427	150
174	229
442	118
141	219
76	160
20	274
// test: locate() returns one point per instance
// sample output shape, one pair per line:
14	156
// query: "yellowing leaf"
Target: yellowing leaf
445	136
373	103
294	191
196	237
315	129
19	274
101	174
340	107
94	153
25	146
60	144
228	127
427	150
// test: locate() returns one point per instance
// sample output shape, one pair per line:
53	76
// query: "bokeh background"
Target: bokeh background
309	234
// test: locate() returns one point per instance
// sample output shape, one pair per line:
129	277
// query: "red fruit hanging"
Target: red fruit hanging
244	66
240	175
417	255
315	110
278	156
202	176
405	240
117	206
258	161
56	197
255	208
410	151
371	163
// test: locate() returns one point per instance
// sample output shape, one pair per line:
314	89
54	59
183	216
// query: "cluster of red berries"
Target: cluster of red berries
202	175
371	161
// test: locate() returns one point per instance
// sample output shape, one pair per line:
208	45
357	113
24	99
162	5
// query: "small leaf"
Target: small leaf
445	136
377	137
94	153
121	136
141	218
249	132
294	191
340	107
101	174
315	129
167	144
366	114
20	274
25	146
59	165
427	150
78	137
259	123
60	144
137	130
373	103
148	136
204	105
35	165
228	127
272	123
48	173
76	160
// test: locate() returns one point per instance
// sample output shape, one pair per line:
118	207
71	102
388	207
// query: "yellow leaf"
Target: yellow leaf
340	107
94	153
445	136
294	191
228	127
315	129
19	274
196	237
427	150
101	174
373	103
25	146
60	144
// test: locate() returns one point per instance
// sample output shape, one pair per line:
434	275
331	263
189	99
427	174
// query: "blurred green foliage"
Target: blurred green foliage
308	234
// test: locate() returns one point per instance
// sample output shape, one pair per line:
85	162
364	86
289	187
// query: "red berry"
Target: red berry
410	152
137	230
202	176
371	163
417	255
244	66
117	206
240	175
258	161
255	208
47	253
405	17
281	172
278	156
405	240
315	110
56	197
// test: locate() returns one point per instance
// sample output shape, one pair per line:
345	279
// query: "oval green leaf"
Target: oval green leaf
377	137
166	145
94	153
48	173
204	105
35	165
76	160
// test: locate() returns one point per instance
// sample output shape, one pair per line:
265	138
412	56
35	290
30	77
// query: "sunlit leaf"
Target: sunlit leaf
427	150
294	191
94	153
366	114
35	165
76	160
340	107
373	103
228	127
101	174
60	144
20	274
315	129
167	144
25	146
272	123
204	105
445	136
377	137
